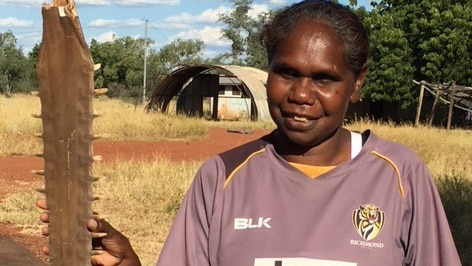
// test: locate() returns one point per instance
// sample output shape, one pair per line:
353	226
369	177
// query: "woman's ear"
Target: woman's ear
358	85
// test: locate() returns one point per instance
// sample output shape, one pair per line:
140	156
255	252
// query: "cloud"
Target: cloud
93	2
110	36
147	3
212	15
28	40
258	9
208	29
278	2
107	37
130	3
187	21
127	3
211	36
112	23
207	17
15	23
23	3
272	2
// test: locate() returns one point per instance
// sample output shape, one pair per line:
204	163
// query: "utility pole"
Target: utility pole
145	59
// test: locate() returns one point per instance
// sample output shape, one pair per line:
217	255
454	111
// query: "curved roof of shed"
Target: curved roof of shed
253	79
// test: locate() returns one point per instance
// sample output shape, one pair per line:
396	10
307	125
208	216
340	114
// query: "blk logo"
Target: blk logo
249	223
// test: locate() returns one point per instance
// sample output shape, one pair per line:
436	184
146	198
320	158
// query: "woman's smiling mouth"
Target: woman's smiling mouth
300	119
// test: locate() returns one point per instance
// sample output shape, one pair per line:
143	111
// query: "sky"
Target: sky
103	20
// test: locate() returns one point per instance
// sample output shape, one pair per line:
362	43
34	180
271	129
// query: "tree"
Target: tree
236	22
390	62
256	53
445	42
170	56
439	33
243	31
32	62
13	64
121	66
122	63
180	52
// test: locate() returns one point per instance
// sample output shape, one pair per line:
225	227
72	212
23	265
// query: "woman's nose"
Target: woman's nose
303	91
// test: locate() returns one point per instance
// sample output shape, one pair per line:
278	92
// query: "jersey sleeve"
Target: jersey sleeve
187	242
429	239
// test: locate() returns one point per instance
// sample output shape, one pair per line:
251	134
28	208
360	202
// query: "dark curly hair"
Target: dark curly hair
344	22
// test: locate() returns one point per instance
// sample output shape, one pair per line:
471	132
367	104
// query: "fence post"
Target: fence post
420	103
433	109
451	105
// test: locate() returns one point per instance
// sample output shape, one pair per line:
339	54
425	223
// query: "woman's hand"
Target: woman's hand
111	249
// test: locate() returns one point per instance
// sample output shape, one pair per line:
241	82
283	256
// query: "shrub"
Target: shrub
456	195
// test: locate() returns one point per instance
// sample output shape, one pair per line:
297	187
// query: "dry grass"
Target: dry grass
19	209
17	126
119	121
445	152
241	124
140	198
124	121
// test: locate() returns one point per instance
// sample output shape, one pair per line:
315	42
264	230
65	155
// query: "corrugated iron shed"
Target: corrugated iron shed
252	79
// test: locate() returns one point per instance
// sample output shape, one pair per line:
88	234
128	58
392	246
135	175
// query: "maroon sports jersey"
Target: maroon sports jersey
249	206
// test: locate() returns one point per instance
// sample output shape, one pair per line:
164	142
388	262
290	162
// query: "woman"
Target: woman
311	192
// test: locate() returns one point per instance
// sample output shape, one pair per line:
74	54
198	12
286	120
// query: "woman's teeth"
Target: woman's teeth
300	119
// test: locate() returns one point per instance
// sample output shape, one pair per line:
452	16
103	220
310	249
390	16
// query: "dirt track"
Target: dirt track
15	176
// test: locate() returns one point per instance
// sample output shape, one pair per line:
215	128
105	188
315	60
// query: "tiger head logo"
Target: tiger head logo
368	221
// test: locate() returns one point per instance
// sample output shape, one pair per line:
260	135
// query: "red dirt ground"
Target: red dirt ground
15	173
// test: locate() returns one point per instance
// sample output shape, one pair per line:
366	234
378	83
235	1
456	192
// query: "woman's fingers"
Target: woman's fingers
104	258
116	248
45	231
41	203
46	250
44	217
92	225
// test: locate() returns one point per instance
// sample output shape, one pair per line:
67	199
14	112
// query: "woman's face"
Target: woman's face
310	84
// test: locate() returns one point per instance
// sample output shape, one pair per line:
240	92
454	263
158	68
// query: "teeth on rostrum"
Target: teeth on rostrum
300	119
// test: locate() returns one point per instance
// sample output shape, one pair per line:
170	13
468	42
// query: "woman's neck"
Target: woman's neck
331	152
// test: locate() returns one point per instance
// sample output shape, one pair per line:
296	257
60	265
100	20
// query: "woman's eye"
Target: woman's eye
324	79
287	73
